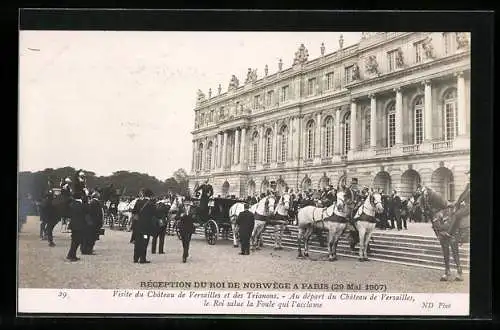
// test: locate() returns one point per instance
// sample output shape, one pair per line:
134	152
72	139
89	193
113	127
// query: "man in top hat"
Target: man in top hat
91	234
144	210
462	208
246	223
396	206
186	230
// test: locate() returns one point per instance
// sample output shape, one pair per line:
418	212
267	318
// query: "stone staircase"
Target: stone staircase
386	246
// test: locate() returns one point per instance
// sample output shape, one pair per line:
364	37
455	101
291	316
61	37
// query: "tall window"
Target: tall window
311	86
391	125
348	74
208	157
268	146
419	51
449	42
418	110
284	93
202	119
391	60
367	131
211	116
255	148
256	102
199	161
328	137
450	114
283	143
347	133
310	139
269	98
237	108
330	81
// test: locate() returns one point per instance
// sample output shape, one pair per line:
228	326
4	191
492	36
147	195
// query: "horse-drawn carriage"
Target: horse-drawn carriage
218	223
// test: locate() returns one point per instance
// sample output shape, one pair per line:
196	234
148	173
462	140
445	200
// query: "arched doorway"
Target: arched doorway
324	181
442	182
251	188
409	181
225	189
264	187
382	181
306	184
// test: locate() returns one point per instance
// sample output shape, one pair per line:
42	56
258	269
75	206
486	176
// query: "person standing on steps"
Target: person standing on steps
186	229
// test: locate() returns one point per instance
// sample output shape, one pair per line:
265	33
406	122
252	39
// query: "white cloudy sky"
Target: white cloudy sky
107	101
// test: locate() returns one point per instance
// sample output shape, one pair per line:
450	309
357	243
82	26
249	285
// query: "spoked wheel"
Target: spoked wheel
211	232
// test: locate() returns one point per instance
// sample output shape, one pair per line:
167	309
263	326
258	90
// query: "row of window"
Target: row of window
450	132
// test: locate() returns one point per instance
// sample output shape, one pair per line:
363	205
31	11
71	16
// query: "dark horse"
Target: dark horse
52	209
438	210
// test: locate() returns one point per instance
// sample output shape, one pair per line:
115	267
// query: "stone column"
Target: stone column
373	121
236	147
224	151
427	111
260	153
218	163
461	105
193	162
399	116
212	165
317	140
274	152
354	130
337	140
243	152
291	126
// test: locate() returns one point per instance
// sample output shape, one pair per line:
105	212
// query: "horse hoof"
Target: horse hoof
332	259
459	278
366	259
306	255
235	246
361	259
444	278
52	244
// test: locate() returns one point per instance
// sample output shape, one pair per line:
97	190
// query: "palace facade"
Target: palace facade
391	111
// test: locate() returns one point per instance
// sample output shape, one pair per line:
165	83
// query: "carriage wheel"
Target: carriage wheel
211	232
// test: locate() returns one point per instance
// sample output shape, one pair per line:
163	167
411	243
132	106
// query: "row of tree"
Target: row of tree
127	183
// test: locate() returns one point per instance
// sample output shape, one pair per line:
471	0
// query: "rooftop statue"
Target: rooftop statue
301	55
251	76
233	83
200	96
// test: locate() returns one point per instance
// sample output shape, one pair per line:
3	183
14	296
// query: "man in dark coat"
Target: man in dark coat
245	222
77	225
206	192
95	217
396	209
161	213
145	210
186	230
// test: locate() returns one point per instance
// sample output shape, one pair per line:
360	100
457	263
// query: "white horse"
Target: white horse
332	218
365	220
234	211
281	216
263	210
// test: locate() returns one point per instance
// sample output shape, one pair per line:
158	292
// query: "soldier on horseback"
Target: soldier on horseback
461	208
80	186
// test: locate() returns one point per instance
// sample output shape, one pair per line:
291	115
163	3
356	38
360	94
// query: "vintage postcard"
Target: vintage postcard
244	173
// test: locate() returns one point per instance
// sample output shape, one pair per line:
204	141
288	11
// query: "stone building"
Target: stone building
391	111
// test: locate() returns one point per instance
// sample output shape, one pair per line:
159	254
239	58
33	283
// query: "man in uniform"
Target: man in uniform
80	186
245	222
206	192
462	208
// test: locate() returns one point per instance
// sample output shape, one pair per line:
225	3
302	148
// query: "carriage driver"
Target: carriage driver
206	192
462	208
